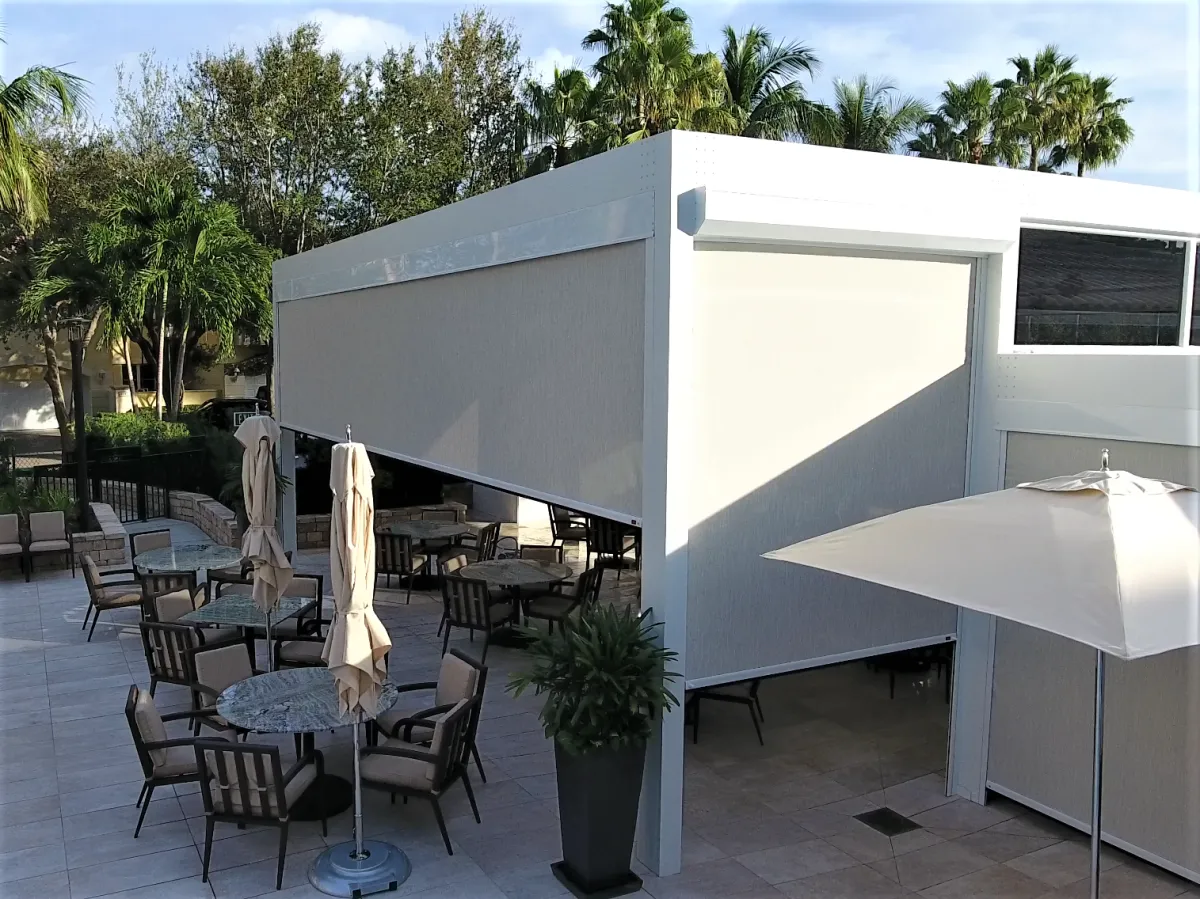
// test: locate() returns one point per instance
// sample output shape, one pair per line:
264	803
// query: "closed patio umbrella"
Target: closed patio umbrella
1106	558
260	544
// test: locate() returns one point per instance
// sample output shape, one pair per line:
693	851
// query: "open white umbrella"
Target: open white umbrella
260	544
1106	558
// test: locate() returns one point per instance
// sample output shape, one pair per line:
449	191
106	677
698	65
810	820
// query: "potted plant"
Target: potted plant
604	678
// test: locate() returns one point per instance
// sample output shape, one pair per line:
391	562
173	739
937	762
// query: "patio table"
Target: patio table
188	557
422	531
298	701
240	610
512	575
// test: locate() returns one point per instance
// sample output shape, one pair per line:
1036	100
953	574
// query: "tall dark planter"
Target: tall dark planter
598	796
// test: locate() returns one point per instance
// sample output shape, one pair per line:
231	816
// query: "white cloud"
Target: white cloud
355	37
544	63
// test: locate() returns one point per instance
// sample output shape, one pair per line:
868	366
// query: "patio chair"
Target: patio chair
460	677
165	761
299	641
168	650
159	582
245	784
148	540
10	539
741	693
484	549
446	566
610	542
217	666
104	595
426	773
394	556
172	604
567	526
541	553
48	534
224	581
467	603
558	607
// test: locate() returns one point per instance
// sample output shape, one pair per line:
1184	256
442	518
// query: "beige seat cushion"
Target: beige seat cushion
179	761
10	549
116	597
150	727
146	542
405	772
263	798
47	527
174	605
302	652
550	606
456	681
48	546
10	530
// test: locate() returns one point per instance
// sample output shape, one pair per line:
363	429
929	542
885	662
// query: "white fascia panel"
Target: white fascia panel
729	216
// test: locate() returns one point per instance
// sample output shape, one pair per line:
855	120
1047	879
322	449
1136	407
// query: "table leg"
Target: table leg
328	796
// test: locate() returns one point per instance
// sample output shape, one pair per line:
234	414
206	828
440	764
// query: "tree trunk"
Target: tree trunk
133	403
177	386
1079	169
1033	156
53	379
162	355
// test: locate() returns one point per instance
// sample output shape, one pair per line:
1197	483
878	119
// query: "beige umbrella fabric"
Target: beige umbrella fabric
260	544
357	640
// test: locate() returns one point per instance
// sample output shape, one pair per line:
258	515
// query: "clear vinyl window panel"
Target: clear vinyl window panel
1195	341
1098	290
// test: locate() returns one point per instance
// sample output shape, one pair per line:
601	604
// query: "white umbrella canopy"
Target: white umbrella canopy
357	641
260	544
1105	558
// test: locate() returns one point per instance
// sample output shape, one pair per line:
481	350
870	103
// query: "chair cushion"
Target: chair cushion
550	606
10	531
49	546
456	681
146	542
173	606
45	527
262	797
117	596
151	728
401	772
220	668
302	652
10	549
178	761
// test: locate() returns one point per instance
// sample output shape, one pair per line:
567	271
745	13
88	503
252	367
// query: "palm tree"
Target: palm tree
651	76
1039	93
765	97
868	116
38	92
559	116
973	123
1095	132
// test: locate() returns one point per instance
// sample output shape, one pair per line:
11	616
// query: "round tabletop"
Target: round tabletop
291	701
516	572
418	529
188	557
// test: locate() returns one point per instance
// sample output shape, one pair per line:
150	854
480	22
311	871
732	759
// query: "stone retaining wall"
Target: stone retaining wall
312	531
217	521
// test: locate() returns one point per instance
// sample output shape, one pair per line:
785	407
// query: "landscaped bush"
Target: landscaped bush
136	429
21	497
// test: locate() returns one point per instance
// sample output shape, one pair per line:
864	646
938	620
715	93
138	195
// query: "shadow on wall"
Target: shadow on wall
747	613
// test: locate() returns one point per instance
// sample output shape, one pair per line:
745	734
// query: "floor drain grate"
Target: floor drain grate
887	822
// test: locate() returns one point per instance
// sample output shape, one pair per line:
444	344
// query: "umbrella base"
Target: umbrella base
336	873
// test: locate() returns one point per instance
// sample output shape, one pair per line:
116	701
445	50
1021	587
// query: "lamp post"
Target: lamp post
77	329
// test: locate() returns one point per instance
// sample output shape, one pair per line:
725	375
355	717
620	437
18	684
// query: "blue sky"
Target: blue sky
1153	48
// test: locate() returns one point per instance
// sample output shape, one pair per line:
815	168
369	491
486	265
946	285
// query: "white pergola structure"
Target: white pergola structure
738	344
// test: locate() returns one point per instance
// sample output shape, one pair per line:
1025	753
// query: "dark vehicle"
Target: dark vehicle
227	413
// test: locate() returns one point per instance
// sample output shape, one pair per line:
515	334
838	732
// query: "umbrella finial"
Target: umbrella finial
1104	460
350	437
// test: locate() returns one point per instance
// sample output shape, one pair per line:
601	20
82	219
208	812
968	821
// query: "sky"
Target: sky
1152	48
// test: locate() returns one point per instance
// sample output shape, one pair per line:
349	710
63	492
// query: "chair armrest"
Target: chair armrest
419	719
309	758
167	744
400	753
106	572
193	713
409	688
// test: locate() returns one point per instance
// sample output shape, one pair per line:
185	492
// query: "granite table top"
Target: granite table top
291	701
516	572
188	557
429	530
240	610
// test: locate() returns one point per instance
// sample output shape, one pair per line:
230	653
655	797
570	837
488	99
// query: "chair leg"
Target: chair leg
95	619
208	837
408	594
141	796
758	705
437	811
478	763
471	796
446	639
299	745
153	684
757	729
145	805
282	855
86	615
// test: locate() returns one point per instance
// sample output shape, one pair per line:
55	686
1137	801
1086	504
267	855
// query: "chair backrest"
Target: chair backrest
241	779
452	564
465	602
145	726
604	536
148	540
47	526
451	742
458	678
439	515
489	536
562	520
91	573
393	553
587	588
219	666
168	650
166	582
221	582
10	529
308	586
536	553
172	605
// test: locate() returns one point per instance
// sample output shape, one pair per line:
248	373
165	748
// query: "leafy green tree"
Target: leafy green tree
870	116
762	84
560	118
40	91
973	123
650	73
148	126
1094	130
1040	93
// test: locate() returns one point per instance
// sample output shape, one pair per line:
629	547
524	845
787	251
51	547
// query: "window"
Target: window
1195	341
1095	289
143	374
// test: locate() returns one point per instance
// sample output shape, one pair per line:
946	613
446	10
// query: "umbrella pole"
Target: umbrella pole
1097	774
270	650
358	827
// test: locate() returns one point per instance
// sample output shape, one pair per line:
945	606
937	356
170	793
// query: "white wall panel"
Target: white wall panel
527	375
828	388
1041	730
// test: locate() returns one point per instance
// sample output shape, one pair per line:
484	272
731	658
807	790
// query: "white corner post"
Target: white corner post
665	522
971	713
287	504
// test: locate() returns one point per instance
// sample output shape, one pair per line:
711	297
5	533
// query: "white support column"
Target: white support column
287	503
664	504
